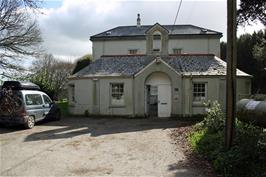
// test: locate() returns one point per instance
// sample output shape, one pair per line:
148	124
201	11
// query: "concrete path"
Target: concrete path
95	147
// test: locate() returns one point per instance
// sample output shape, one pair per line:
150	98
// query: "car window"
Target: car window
46	99
33	99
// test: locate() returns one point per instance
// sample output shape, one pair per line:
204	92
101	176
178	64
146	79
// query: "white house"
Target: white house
153	70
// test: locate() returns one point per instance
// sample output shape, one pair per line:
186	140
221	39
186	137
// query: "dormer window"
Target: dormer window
157	41
132	51
177	51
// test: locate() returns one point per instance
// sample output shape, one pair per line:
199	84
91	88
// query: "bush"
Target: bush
215	119
246	158
206	143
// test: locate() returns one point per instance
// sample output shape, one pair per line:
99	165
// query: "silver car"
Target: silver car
22	106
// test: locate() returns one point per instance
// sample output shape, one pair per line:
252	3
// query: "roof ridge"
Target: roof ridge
125	55
158	23
193	54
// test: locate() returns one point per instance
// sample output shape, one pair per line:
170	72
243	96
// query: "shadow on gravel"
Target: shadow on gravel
8	128
72	127
11	128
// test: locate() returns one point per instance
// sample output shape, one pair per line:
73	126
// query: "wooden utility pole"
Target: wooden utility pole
231	73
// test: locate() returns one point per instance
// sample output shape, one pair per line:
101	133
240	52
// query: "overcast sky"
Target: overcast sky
67	25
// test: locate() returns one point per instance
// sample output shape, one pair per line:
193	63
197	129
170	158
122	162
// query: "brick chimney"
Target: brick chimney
138	21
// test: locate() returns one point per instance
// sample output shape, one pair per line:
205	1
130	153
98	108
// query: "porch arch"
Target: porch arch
158	95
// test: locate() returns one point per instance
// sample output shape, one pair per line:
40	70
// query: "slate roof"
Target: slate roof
129	65
134	31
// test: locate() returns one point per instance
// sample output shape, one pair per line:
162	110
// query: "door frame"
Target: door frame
163	79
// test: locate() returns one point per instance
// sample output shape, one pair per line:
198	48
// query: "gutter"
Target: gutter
143	37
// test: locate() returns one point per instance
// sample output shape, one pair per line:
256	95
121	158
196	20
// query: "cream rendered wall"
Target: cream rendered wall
121	47
83	96
105	94
191	107
116	47
216	90
243	88
197	45
139	88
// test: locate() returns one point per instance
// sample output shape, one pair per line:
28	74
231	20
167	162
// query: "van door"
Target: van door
47	104
34	105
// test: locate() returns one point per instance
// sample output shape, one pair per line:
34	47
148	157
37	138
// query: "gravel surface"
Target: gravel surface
95	147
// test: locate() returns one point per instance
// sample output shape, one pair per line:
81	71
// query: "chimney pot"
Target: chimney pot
138	21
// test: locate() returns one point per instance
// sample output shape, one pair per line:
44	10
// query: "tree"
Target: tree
223	50
251	58
251	10
259	53
19	33
82	63
51	75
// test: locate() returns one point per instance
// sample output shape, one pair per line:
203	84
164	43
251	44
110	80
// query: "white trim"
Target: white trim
154	61
111	94
205	91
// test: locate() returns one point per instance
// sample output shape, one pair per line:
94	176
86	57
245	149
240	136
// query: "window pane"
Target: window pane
33	99
199	92
133	51
117	94
47	100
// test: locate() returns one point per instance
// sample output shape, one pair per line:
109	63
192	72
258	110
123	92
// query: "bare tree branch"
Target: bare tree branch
20	35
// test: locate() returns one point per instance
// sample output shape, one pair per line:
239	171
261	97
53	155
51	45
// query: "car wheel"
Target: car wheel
30	122
57	115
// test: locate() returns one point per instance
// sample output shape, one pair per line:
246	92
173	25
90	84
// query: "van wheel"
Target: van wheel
30	122
57	115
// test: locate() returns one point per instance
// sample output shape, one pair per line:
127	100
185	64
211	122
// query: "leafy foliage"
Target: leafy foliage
251	52
82	63
51	75
246	158
251	11
215	119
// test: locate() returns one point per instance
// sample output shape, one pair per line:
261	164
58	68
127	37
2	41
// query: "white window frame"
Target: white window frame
157	34
132	51
117	92
200	92
177	50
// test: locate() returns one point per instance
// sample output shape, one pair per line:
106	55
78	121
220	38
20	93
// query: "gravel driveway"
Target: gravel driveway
87	146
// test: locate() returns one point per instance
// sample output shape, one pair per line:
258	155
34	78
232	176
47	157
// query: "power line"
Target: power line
180	3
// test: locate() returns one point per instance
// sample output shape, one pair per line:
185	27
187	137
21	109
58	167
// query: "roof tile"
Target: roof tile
129	65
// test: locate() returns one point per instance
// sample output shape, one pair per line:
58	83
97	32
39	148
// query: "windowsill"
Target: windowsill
117	106
198	104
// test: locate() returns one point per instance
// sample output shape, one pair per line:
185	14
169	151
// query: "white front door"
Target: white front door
164	100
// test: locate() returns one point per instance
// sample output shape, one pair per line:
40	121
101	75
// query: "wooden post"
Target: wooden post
231	73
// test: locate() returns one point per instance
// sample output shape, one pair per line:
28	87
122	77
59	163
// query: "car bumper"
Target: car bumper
13	120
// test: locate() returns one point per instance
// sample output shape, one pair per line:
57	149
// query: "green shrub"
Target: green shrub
206	143
215	119
247	157
195	137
